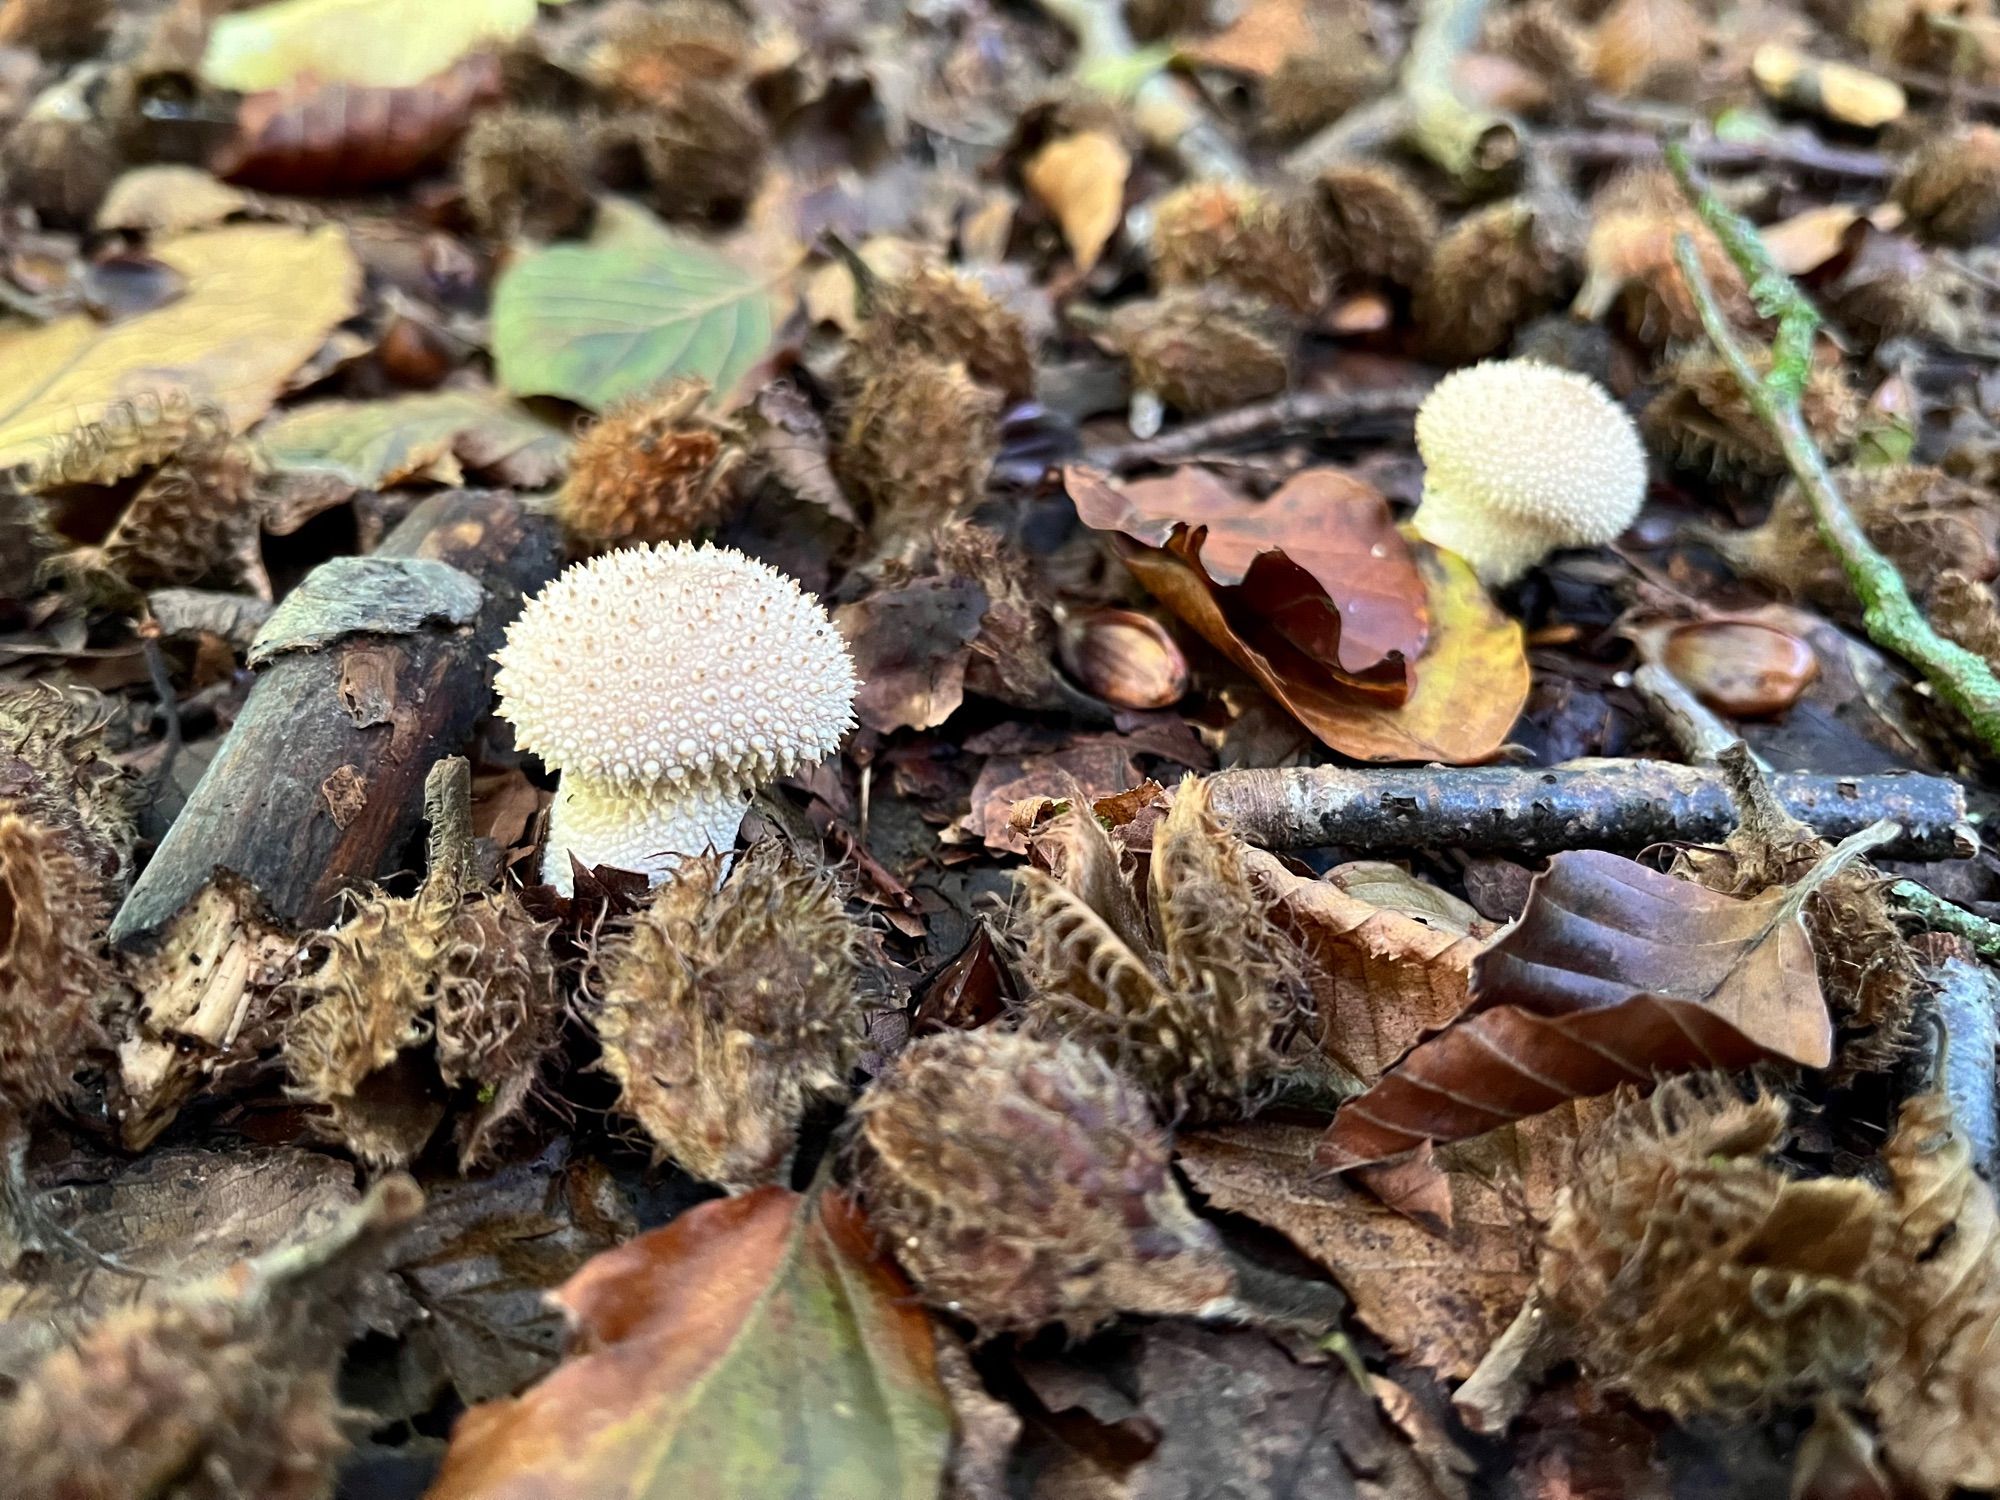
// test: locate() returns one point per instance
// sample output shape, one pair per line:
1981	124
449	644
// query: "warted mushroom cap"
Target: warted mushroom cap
675	662
1521	458
666	683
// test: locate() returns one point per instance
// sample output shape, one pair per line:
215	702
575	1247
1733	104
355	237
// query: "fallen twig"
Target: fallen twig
1598	147
1961	678
1941	915
1266	422
1610	804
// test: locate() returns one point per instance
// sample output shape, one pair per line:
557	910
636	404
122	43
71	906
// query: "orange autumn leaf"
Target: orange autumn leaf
757	1345
1081	180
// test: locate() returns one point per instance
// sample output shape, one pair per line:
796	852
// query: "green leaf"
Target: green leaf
637	304
374	43
373	445
757	1345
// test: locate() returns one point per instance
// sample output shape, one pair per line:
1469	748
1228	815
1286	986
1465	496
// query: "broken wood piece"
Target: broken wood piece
371	670
1607	804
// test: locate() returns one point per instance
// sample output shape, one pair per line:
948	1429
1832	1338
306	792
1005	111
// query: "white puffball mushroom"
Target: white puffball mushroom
666	684
1521	458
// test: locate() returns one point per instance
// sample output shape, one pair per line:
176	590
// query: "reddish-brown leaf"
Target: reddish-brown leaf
755	1345
1614	974
338	137
1320	564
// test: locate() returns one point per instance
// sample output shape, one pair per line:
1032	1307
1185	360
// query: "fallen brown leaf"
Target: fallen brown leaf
1260	39
911	647
1081	180
1614	974
755	1345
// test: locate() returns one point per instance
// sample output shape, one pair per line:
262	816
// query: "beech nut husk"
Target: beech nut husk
1124	657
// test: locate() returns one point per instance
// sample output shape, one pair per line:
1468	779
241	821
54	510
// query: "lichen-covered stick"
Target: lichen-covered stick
666	684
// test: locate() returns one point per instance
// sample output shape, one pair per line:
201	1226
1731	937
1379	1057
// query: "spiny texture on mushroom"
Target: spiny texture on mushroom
652	470
1686	1268
666	683
947	316
1023	1182
52	977
1521	459
726	1013
220	1390
1185	998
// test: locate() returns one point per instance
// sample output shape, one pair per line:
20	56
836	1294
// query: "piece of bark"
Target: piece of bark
1608	804
321	779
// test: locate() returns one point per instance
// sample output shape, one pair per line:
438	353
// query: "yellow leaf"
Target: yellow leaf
169	199
259	300
376	43
1081	180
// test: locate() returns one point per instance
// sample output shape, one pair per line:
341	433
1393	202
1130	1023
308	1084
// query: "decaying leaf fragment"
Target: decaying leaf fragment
726	1013
1186	997
758	1345
210	1391
451	989
1614	974
1023	1182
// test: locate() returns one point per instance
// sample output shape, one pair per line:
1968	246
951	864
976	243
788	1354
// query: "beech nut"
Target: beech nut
1740	668
1124	657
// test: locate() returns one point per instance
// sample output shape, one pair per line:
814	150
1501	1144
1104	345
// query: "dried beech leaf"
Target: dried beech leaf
259	300
756	1345
318	137
1359	606
1614	974
911	647
169	199
372	43
635	306
1936	1394
435	436
1380	978
1264	35
1438	1297
1648	46
1081	180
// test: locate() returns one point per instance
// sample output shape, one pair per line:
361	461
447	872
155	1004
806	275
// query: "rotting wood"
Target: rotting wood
1611	804
321	779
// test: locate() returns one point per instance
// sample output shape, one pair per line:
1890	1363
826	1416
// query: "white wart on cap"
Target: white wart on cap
1522	458
667	683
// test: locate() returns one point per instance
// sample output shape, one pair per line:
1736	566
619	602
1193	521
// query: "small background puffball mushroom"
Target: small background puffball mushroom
666	683
1521	458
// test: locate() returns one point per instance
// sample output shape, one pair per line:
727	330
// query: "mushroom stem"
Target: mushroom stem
646	829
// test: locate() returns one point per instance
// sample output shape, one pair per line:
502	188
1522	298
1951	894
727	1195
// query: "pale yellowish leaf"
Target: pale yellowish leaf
1081	180
169	199
374	43
259	300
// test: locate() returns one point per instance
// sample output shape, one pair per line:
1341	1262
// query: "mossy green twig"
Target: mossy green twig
1961	679
1940	915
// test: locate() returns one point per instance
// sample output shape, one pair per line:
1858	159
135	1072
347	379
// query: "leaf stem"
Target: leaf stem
1961	679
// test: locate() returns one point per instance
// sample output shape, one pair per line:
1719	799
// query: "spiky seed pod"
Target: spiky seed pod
652	53
1685	1268
726	1014
1925	520
1542	38
1496	269
1951	187
1634	223
52	977
132	436
1022	1182
1013	655
945	315
60	30
698	157
1966	611
651	470
53	769
218	1390
467	970
1156	20
198	517
1313	88
1185	1001
921	436
1260	243
59	160
1701	420
1374	221
1204	349
526	173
